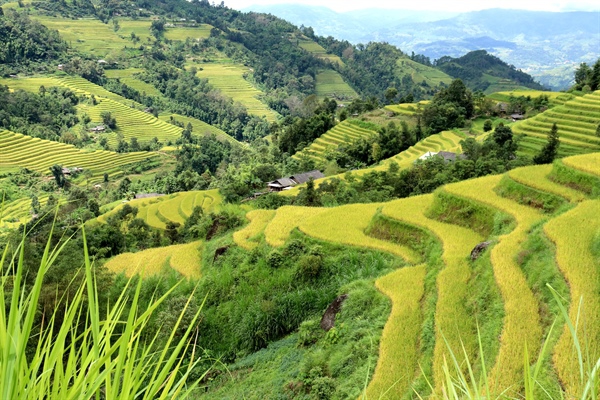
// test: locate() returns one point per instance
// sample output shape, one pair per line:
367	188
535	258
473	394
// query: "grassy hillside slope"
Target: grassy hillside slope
456	295
229	78
39	155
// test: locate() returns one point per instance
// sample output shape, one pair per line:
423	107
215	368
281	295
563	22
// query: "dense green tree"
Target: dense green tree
449	108
58	175
548	152
487	125
25	40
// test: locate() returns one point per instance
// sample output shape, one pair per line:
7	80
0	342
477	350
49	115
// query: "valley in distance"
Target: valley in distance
293	203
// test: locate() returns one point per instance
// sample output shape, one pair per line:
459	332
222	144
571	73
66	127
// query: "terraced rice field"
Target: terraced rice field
400	351
182	33
131	120
132	123
198	127
409	109
397	365
29	84
555	98
157	211
447	140
127	76
83	86
183	258
419	72
77	84
537	178
589	163
317	50
39	155
454	328
347	225
330	84
247	237
286	219
18	212
521	323
573	233
577	121
343	133
87	35
141	28
229	79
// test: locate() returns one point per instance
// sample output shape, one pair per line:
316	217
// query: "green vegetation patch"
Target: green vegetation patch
330	83
183	33
575	179
230	79
86	35
522	194
420	73
460	211
127	76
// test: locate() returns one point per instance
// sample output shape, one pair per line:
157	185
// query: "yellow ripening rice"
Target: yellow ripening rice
286	219
397	365
347	225
573	233
589	163
184	258
521	321
454	327
537	177
246	237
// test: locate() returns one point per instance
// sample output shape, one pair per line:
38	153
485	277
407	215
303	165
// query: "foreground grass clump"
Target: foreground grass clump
80	352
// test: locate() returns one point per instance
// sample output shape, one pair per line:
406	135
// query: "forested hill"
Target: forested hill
286	62
478	70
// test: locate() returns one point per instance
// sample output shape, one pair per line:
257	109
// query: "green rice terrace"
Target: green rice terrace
132	120
229	78
128	77
202	31
577	122
421	73
132	123
444	141
488	309
408	109
330	84
316	49
39	155
343	133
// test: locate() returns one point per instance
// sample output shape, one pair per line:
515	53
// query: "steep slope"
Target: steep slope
577	121
39	155
460	216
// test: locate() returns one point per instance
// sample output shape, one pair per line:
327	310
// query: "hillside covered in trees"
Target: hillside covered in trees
201	203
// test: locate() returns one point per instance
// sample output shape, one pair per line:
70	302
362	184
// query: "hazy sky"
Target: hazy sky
442	5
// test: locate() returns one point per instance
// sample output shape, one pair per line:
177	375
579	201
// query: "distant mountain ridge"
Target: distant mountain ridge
547	45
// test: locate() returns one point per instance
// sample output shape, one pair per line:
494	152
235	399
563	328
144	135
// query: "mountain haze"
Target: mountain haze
548	45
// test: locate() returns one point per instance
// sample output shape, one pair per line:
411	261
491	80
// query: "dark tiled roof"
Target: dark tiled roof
304	177
282	182
449	156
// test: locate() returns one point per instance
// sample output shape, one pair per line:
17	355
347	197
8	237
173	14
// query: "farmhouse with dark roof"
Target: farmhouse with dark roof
287	183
